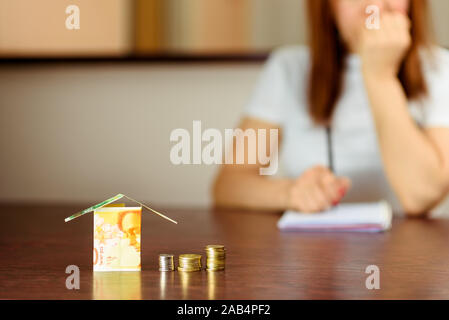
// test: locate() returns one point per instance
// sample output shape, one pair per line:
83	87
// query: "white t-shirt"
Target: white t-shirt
280	98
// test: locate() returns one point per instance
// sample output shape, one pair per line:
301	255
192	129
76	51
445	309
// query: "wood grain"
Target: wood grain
262	263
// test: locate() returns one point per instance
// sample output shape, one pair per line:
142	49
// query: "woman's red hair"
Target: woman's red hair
328	54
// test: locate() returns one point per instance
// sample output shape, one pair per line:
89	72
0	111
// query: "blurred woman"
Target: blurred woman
377	99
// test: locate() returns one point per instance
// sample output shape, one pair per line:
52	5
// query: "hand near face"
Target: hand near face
382	50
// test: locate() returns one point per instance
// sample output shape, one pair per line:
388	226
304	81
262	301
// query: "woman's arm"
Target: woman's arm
242	186
245	189
416	161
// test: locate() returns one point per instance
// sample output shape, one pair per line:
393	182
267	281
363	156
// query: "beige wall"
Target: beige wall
85	132
440	18
207	26
277	22
37	27
283	21
269	23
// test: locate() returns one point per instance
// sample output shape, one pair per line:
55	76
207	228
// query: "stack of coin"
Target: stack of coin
189	262
166	262
215	257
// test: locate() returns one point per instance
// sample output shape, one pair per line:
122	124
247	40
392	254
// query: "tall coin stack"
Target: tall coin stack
166	262
189	262
215	257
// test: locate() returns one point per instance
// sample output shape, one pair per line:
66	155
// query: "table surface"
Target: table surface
36	246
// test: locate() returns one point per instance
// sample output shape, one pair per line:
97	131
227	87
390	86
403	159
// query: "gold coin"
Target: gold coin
190	256
190	265
215	247
216	256
188	270
215	260
189	261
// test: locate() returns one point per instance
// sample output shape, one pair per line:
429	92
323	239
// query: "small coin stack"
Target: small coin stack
215	257
166	262
189	262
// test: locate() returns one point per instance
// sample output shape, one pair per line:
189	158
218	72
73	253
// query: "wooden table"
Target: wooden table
262	263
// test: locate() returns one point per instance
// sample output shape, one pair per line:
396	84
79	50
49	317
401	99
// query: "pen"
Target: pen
330	155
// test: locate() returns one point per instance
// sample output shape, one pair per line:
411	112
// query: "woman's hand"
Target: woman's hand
316	190
383	50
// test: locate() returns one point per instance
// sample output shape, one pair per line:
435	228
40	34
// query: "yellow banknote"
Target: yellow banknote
117	232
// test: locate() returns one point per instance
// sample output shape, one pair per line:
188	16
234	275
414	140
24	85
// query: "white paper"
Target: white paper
354	217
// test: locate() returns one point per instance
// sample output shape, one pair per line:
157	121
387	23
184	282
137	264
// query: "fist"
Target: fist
382	50
317	189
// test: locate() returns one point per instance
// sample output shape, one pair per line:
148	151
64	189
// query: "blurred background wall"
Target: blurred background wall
37	28
84	132
72	132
